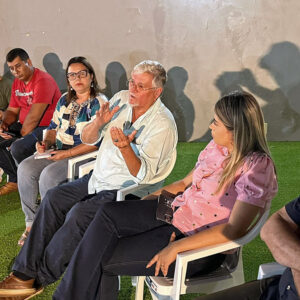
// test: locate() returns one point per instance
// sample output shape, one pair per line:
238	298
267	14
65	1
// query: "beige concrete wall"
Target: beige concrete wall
209	47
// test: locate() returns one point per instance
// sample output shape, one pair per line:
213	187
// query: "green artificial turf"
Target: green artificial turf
287	161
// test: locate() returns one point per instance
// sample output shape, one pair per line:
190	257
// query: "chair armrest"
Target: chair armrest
86	168
191	255
140	190
270	269
184	257
72	163
128	190
187	256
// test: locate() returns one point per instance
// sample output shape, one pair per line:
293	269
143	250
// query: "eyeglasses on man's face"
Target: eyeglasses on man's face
17	66
81	74
138	86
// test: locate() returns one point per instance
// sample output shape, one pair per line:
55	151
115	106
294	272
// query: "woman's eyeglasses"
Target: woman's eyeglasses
81	74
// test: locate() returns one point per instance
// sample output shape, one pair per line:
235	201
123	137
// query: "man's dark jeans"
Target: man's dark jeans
63	217
14	150
121	240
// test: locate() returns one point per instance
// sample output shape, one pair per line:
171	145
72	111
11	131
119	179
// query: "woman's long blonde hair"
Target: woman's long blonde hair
241	114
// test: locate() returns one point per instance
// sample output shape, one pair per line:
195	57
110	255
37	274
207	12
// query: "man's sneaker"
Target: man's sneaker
8	188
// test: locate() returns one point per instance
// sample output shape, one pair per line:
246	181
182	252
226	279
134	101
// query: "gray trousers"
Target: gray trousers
38	176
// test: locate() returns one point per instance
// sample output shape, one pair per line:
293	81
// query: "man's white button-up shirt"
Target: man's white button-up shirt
154	144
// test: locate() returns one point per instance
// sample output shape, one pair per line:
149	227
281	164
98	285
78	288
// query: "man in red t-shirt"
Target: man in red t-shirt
33	100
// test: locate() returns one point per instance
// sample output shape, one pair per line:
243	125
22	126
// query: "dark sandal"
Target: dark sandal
23	238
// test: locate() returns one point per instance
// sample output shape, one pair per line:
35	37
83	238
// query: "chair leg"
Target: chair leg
139	291
134	280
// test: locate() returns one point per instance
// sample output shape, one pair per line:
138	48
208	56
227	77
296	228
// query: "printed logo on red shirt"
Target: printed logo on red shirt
29	96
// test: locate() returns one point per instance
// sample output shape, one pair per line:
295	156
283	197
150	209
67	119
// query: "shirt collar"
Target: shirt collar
150	112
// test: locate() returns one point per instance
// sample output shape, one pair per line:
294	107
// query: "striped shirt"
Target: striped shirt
67	133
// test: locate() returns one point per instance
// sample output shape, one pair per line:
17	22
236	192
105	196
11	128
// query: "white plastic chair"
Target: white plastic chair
139	190
172	288
83	169
142	190
270	269
121	194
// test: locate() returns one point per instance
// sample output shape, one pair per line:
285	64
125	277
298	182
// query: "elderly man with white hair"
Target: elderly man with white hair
139	141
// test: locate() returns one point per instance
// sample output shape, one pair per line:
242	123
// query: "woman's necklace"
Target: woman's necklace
75	111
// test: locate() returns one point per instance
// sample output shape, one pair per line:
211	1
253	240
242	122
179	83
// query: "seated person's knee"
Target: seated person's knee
16	150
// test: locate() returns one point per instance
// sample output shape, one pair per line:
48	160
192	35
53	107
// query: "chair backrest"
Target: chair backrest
79	161
256	227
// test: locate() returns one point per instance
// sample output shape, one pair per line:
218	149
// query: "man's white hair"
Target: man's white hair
154	68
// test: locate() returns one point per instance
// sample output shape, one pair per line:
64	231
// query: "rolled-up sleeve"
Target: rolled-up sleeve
156	152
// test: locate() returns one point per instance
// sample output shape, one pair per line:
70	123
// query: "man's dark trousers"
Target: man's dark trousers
15	150
64	215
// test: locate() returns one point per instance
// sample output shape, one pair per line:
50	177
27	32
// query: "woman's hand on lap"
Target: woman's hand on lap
59	155
165	257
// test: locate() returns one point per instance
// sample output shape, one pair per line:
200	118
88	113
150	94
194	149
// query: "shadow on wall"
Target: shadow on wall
178	103
54	67
6	72
115	79
282	108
